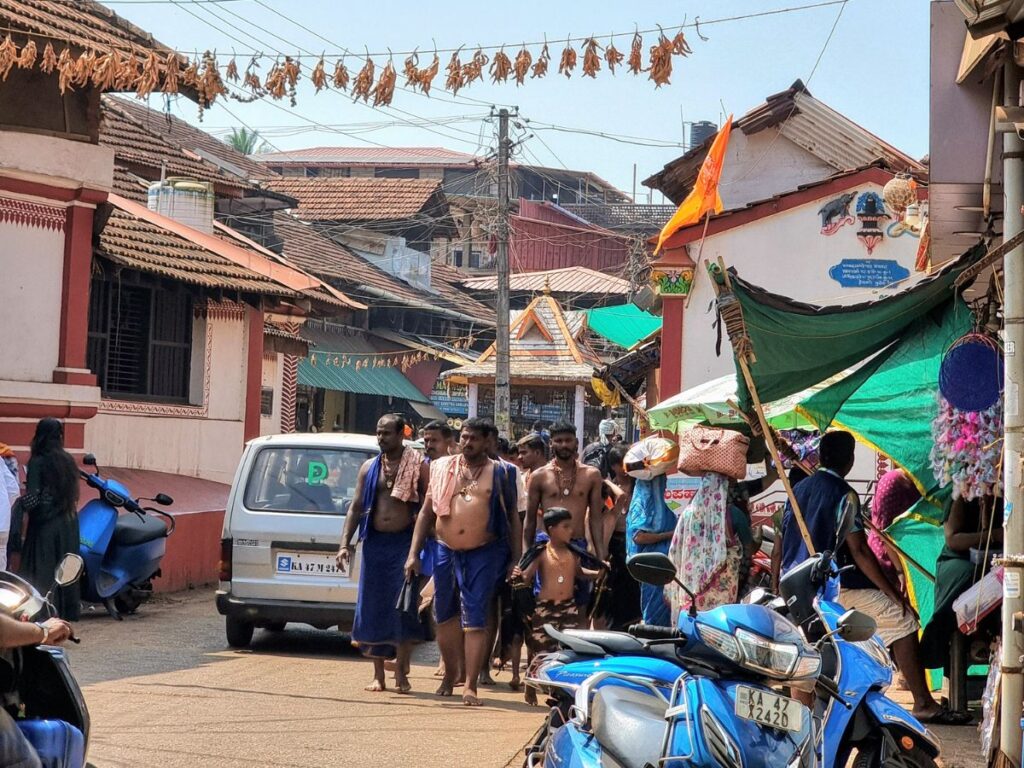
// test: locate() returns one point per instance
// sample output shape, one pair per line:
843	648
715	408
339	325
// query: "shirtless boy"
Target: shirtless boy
568	484
559	569
383	510
471	504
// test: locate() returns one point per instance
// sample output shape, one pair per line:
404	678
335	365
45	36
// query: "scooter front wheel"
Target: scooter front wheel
870	756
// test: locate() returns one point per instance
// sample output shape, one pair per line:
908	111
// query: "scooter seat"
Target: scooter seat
131	530
629	725
612	643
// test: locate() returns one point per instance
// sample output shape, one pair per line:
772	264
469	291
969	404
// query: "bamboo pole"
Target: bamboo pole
766	429
696	265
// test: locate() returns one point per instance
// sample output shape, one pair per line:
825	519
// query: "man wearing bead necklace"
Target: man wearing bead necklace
387	494
565	482
471	504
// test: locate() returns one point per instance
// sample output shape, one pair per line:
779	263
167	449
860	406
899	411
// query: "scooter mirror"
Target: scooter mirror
69	571
89	460
651	568
163	499
854	626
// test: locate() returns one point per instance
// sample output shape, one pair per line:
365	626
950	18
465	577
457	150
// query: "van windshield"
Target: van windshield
304	480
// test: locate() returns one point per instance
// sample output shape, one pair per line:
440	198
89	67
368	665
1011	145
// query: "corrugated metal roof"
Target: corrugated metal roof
350	363
369	156
569	280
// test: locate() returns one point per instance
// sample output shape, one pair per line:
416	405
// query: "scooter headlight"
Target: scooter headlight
720	641
778	660
10	598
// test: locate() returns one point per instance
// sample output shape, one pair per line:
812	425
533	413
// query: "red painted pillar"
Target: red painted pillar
671	346
253	373
74	319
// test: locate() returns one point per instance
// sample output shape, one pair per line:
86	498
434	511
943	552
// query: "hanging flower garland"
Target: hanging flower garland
146	72
967	449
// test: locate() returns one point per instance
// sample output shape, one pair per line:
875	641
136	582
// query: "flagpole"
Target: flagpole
696	266
769	438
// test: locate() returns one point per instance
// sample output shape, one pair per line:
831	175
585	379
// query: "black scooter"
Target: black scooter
37	687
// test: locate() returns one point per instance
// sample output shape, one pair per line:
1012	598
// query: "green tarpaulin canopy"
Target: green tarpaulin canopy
624	325
890	404
798	345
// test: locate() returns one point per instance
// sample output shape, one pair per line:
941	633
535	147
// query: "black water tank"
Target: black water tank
701	131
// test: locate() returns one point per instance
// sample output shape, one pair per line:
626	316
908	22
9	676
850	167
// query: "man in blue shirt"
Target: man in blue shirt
824	498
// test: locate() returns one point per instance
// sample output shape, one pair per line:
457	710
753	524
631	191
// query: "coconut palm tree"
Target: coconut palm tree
245	141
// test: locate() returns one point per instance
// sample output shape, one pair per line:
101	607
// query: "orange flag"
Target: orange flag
704	196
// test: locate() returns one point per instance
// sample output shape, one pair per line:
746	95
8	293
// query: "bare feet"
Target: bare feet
439	672
402	684
469	698
445	688
485	678
530	696
377	686
515	683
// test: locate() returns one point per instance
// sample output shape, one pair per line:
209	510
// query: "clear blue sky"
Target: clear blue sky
874	70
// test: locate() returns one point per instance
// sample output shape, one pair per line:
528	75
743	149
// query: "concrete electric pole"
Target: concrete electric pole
1013	448
502	388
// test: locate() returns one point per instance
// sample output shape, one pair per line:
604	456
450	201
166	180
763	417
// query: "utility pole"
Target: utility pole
1013	446
502	388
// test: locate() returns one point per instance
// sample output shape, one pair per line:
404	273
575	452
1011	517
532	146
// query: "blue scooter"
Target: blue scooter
696	695
855	712
122	553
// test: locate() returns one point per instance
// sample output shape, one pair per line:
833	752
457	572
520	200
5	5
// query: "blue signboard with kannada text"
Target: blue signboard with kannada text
868	273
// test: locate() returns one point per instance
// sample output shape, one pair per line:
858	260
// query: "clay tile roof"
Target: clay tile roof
569	280
360	199
546	344
308	249
175	131
134	145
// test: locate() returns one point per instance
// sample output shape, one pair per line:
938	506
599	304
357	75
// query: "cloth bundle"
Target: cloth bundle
967	448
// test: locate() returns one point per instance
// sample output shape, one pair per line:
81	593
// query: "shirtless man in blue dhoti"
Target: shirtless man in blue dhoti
471	503
383	510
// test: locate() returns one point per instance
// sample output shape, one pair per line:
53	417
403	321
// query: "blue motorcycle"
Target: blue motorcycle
122	552
853	707
697	695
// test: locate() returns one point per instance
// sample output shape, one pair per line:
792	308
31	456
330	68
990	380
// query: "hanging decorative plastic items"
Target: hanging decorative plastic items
968	430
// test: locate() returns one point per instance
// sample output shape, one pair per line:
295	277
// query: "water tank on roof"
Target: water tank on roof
701	131
188	201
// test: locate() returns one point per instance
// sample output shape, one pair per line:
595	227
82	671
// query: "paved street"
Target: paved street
164	692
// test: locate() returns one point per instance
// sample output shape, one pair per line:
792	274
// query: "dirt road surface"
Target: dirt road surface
165	692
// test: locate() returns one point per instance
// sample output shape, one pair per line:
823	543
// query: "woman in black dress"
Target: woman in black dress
50	503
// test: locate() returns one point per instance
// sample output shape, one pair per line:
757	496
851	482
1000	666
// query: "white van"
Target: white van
282	529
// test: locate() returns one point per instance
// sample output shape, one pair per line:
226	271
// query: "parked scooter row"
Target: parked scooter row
122	552
706	692
37	687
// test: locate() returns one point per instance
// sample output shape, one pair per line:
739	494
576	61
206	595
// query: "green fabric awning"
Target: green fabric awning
325	370
798	345
624	325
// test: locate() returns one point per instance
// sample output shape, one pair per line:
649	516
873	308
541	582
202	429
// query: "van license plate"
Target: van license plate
307	564
769	709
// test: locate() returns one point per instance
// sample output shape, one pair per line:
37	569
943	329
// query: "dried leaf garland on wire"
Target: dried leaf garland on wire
363	84
635	62
454	79
292	70
411	70
341	76
171	73
210	83
149	78
8	55
425	77
65	69
319	75
190	76
129	72
522	65
540	67
385	90
474	68
105	73
231	71
501	67
679	45
661	62
27	57
49	61
568	61
613	56
591	58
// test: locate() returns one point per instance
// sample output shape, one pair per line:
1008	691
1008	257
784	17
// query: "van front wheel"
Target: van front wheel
239	632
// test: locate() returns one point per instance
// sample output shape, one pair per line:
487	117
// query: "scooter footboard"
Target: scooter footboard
888	714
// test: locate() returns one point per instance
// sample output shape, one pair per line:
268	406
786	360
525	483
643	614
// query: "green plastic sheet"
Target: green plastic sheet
624	325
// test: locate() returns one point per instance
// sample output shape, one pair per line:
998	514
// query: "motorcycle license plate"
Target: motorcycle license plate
766	708
306	564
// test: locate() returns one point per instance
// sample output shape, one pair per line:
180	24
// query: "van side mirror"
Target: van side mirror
855	626
69	570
